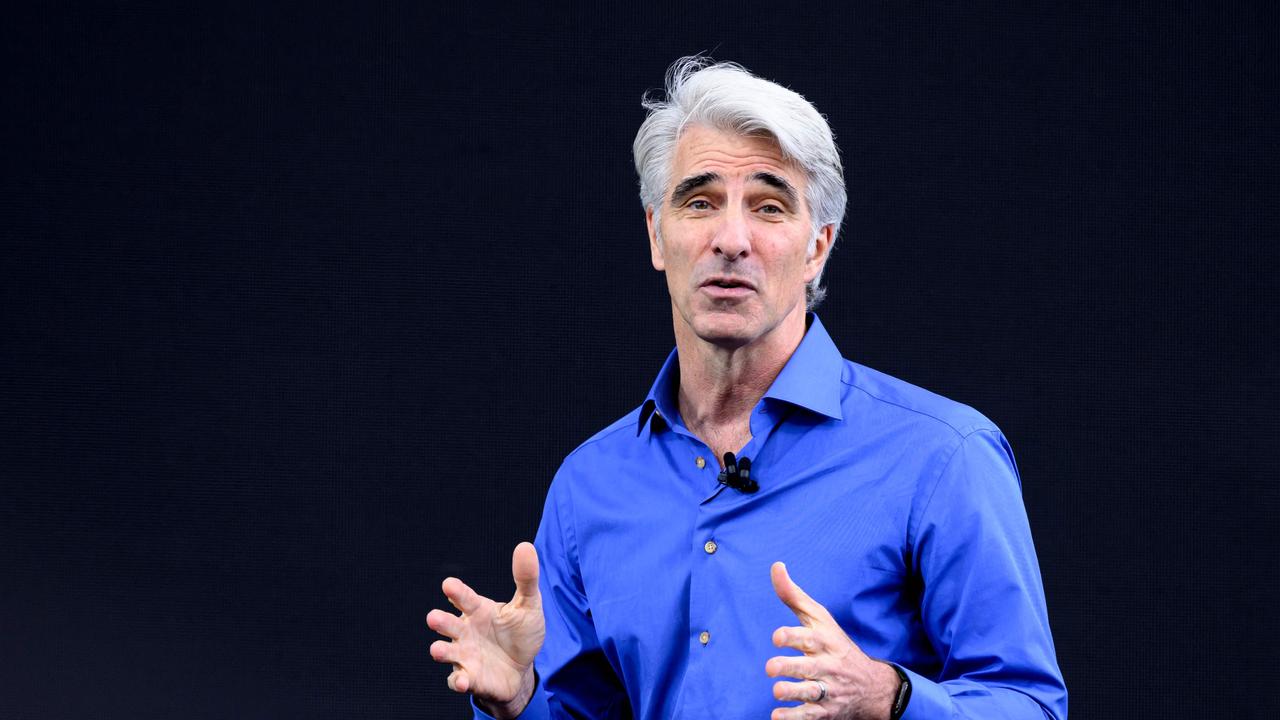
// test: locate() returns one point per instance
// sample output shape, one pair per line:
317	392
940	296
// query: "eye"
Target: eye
699	205
771	210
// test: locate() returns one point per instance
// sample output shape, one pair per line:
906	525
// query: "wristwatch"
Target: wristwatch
904	694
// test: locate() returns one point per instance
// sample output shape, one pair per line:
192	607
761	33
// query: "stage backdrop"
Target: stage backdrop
301	309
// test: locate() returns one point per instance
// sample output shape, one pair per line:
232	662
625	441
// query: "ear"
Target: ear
821	251
655	249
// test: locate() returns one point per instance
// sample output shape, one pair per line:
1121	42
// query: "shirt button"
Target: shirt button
700	462
705	637
710	547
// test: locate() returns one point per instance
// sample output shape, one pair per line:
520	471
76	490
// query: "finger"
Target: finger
801	638
461	596
808	610
799	712
459	681
796	666
806	691
446	624
444	652
524	569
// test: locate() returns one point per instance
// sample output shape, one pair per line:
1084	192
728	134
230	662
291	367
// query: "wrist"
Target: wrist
512	708
901	692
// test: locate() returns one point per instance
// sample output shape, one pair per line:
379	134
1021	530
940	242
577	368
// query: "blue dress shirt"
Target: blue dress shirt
897	509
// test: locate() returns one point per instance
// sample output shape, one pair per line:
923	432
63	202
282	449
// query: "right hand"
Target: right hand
492	645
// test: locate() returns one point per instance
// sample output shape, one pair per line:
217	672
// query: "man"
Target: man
662	586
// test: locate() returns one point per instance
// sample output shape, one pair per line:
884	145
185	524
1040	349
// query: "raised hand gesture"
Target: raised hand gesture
837	679
491	644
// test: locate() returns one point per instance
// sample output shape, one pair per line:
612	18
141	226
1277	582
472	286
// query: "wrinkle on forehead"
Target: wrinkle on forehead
702	148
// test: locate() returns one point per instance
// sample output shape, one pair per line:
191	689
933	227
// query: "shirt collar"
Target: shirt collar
661	400
810	379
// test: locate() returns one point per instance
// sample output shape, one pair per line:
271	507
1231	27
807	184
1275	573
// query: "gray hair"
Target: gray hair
725	96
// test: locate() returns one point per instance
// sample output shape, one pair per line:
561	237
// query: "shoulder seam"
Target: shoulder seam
617	425
937	480
962	432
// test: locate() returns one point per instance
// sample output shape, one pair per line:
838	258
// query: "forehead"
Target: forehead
703	149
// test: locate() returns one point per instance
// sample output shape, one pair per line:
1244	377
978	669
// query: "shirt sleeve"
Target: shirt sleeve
983	604
575	679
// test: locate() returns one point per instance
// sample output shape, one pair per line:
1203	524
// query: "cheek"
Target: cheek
678	262
792	265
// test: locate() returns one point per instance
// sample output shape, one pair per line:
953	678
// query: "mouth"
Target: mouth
722	286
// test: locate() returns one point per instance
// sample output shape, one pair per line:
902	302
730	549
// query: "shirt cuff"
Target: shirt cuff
929	700
537	709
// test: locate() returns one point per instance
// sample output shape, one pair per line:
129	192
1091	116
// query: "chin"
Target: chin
726	329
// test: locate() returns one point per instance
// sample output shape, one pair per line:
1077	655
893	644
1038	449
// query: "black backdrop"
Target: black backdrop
302	308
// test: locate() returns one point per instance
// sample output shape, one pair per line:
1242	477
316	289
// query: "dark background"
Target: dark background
301	309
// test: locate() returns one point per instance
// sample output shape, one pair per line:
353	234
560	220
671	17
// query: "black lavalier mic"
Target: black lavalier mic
737	474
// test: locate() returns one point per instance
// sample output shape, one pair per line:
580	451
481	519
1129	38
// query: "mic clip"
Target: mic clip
737	474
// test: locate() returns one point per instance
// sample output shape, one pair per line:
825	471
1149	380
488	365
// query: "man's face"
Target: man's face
735	237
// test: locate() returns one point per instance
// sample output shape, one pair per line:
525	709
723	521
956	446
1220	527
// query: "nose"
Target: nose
733	239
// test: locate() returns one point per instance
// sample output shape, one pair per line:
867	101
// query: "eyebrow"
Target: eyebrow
778	183
691	184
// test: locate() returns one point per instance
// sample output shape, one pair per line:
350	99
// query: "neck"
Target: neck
720	384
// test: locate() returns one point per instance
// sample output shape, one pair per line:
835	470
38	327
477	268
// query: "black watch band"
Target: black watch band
904	694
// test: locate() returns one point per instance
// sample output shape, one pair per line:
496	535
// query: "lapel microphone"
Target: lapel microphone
737	474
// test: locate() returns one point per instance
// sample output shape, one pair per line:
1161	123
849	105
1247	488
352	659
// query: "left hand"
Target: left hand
858	688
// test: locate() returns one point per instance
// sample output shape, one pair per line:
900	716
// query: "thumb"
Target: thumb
807	609
524	569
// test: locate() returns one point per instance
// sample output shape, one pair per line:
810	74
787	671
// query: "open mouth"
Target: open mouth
727	283
727	287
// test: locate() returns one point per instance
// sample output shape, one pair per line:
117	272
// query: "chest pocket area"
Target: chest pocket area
878	610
